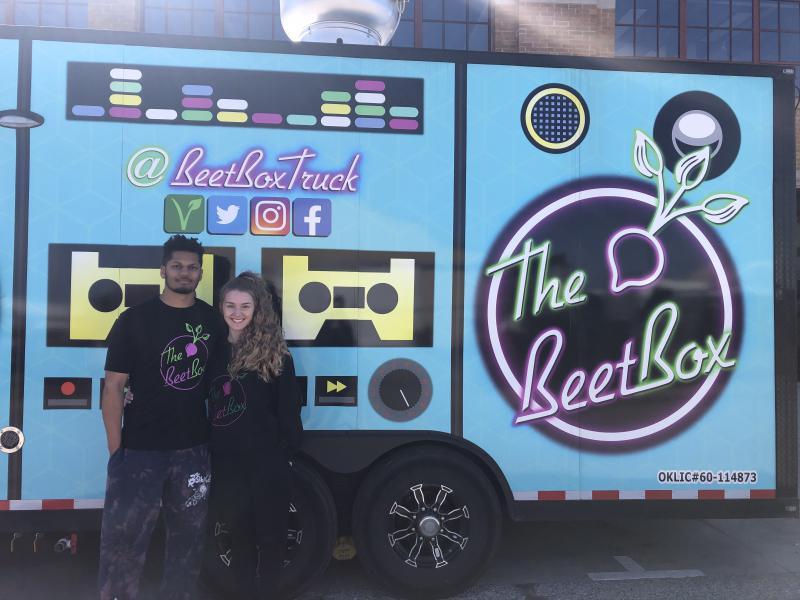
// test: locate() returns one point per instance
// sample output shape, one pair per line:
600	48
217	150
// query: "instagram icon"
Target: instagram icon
269	216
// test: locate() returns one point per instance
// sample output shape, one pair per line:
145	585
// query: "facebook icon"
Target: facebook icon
311	217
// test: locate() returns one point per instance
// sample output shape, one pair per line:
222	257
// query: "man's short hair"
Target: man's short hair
180	243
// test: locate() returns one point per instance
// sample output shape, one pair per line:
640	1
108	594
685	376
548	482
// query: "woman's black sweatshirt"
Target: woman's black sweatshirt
248	414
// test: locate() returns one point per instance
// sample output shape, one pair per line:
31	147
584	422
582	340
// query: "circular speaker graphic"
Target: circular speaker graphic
555	118
692	120
11	440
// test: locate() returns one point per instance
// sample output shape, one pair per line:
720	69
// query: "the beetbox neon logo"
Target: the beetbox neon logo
269	216
311	217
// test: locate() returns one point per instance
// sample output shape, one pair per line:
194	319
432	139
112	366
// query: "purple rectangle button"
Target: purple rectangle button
125	112
406	124
197	102
368	85
267	118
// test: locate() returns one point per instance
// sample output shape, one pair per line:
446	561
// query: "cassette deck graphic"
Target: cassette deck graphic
353	298
90	284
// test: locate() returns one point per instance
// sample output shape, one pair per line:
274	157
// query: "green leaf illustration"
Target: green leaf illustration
643	149
692	168
731	206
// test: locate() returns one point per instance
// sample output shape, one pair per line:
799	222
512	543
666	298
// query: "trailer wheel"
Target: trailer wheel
310	539
426	522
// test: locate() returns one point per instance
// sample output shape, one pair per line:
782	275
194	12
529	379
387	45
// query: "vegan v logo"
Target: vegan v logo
184	213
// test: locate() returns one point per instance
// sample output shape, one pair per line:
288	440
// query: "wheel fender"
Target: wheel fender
348	452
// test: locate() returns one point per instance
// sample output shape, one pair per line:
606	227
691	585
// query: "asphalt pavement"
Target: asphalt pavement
646	559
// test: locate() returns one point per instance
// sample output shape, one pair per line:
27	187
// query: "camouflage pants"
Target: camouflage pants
140	484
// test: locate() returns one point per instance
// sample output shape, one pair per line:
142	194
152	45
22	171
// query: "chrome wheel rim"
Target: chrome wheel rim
428	527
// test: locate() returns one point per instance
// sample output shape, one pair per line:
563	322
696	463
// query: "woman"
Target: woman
254	408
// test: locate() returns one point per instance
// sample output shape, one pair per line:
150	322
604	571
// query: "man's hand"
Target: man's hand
113	402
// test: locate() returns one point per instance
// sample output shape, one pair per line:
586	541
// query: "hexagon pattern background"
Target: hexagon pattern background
505	173
80	194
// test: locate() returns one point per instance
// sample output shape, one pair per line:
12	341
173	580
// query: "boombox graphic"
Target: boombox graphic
89	285
353	298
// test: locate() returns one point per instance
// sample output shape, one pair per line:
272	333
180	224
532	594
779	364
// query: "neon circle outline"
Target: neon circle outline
497	349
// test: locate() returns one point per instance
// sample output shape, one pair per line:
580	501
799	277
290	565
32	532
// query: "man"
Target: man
158	456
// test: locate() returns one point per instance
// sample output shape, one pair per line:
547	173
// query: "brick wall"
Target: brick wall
583	27
122	15
505	26
556	27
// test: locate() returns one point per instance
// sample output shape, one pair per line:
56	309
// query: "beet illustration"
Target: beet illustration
690	172
197	334
645	244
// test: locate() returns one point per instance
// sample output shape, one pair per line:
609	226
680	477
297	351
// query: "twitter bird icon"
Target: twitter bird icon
226	215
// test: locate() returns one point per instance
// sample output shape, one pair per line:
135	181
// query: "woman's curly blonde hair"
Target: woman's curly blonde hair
261	347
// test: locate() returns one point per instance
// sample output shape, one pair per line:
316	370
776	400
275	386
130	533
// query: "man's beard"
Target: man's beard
181	288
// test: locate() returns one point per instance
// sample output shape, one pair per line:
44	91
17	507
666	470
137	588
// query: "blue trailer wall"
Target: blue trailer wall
618	331
101	206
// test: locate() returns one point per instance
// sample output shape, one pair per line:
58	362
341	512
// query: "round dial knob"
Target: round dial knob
400	389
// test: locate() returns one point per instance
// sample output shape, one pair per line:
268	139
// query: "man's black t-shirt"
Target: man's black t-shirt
166	351
250	415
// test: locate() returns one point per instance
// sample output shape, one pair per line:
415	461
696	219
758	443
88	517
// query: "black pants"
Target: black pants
250	493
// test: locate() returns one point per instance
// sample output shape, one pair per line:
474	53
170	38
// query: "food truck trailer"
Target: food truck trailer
514	286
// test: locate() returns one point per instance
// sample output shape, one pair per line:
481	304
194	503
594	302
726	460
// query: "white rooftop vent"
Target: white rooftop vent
366	22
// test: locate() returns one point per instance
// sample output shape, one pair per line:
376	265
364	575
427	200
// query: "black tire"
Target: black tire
310	539
398	549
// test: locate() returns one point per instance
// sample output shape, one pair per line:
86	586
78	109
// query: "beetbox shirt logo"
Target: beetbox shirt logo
311	217
227	215
184	359
227	401
183	213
